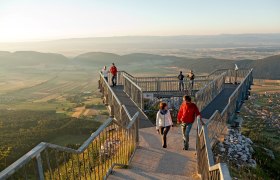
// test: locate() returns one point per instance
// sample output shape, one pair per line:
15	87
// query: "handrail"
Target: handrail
205	95
133	91
125	109
132	82
205	159
237	89
207	133
37	150
212	82
109	87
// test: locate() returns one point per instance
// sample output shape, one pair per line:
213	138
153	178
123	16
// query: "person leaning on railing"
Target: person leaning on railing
186	116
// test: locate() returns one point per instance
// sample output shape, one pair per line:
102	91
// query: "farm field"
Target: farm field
40	105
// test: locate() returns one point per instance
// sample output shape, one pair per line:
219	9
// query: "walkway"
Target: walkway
220	102
151	161
132	107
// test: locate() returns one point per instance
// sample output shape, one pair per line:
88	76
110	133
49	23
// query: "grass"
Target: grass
66	139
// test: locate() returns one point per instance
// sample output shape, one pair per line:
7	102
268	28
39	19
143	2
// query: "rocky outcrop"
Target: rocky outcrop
236	149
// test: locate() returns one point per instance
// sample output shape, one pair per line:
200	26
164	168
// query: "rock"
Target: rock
239	147
249	140
244	157
220	144
240	153
227	143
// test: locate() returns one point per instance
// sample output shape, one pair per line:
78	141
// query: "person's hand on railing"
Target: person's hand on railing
200	120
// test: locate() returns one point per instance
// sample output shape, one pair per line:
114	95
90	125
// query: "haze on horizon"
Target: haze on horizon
32	20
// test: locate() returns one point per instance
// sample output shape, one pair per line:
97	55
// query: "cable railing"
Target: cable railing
215	129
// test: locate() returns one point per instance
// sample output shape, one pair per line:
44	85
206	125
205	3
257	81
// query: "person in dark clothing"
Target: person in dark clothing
114	72
181	81
163	122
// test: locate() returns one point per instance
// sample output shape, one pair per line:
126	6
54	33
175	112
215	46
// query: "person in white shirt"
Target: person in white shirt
105	72
163	122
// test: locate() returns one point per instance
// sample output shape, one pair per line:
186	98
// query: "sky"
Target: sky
35	20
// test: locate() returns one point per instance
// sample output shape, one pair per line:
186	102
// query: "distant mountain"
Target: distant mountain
31	58
267	68
256	45
263	68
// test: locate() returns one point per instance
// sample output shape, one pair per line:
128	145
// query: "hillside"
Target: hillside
31	58
267	68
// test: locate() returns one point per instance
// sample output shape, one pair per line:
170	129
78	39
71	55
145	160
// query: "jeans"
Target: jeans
191	86
191	83
114	80
106	78
181	85
186	129
163	131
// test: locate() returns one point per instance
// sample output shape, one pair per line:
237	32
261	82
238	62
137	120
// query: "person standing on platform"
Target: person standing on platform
186	116
105	72
163	122
181	81
191	78
114	72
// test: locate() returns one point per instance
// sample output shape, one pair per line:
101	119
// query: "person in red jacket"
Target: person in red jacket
186	116
114	72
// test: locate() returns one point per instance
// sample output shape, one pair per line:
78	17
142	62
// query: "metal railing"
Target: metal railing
216	128
217	124
167	84
205	95
205	160
133	91
108	146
